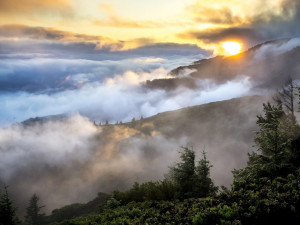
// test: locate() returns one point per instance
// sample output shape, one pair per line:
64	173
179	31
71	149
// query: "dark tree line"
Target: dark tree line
8	211
184	180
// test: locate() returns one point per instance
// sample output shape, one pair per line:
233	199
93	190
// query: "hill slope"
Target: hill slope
112	157
225	129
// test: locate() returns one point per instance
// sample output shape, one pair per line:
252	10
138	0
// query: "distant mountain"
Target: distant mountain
267	64
43	119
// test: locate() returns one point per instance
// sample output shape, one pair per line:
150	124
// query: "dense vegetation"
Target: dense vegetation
266	191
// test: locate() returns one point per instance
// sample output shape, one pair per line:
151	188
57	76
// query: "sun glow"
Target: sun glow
231	47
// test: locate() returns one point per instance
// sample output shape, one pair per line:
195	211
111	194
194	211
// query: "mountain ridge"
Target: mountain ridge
262	69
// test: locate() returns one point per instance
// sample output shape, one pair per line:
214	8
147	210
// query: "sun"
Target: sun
231	47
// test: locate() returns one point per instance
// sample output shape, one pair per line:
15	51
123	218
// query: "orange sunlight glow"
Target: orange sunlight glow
231	47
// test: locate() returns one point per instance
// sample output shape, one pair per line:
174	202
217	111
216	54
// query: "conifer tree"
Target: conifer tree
33	215
183	173
7	211
268	136
278	141
286	97
274	138
204	185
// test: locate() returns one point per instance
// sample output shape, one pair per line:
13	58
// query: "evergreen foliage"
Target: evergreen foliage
193	181
274	140
183	173
7	211
77	209
159	190
286	97
260	202
204	185
33	215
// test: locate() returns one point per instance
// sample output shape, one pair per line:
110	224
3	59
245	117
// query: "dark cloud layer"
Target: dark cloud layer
246	35
42	33
32	39
254	30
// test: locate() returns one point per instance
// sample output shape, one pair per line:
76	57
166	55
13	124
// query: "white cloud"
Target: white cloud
148	60
273	49
118	98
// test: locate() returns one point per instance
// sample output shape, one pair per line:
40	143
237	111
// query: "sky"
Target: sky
127	24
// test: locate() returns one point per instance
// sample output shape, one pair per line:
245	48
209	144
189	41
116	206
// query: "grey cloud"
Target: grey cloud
247	35
42	33
75	160
259	28
272	49
17	38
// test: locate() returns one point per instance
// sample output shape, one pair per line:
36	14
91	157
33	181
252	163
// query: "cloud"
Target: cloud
148	60
205	14
45	60
48	86
113	20
276	20
98	101
37	38
48	74
215	35
35	6
269	50
17	31
75	160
